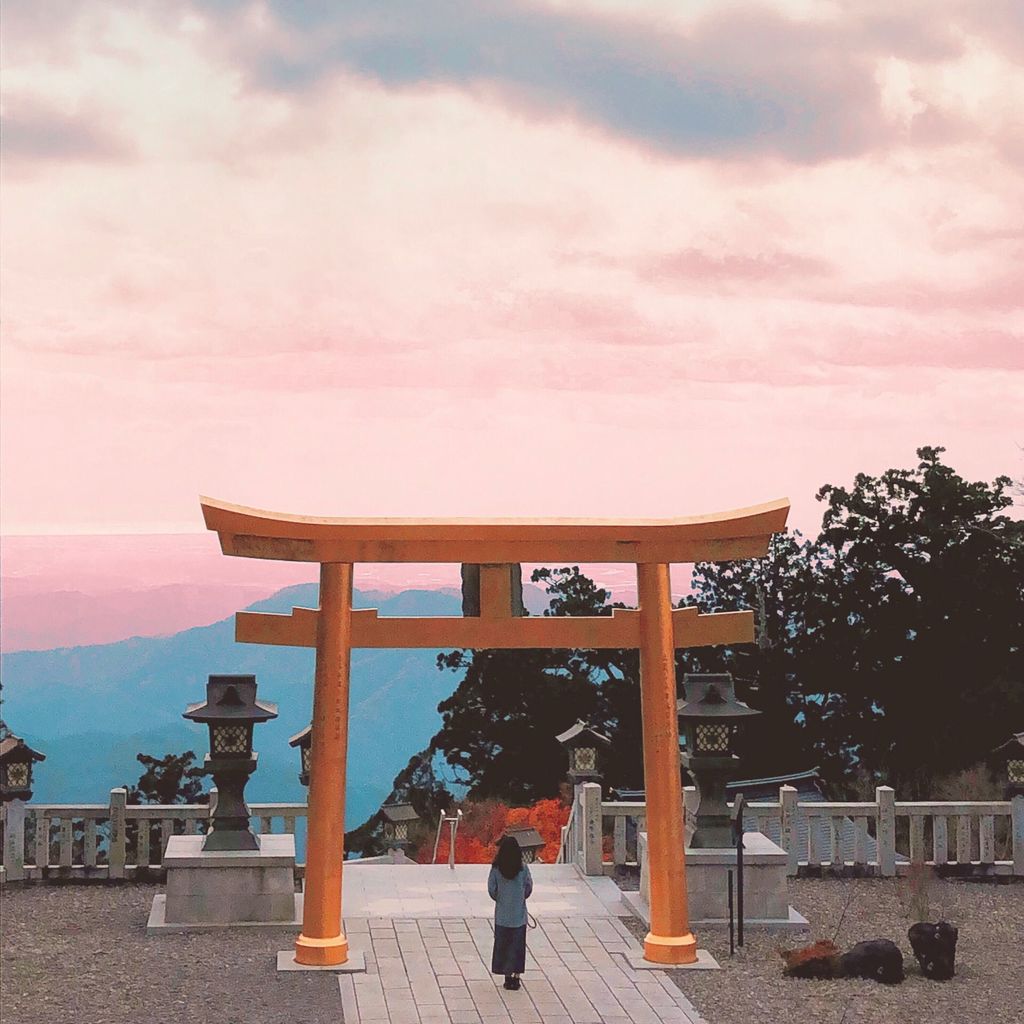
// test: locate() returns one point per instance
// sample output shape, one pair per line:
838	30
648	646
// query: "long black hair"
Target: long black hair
509	858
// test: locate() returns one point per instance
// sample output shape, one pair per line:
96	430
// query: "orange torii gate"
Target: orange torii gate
335	628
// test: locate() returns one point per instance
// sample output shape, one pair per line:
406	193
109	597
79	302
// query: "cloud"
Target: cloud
32	130
700	267
939	349
744	81
1000	292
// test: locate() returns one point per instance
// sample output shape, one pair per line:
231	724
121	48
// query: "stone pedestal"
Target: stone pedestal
764	884
223	888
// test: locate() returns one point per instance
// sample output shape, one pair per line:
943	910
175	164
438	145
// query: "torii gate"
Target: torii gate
495	544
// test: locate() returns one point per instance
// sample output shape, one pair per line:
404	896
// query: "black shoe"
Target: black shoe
510	984
515	983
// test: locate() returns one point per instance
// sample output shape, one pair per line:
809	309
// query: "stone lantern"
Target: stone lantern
710	719
398	818
583	744
1010	758
231	710
530	842
16	760
304	741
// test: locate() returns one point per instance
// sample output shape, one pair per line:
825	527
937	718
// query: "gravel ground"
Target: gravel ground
988	987
80	955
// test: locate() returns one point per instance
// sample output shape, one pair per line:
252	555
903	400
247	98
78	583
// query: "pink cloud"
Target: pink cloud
379	297
34	131
735	268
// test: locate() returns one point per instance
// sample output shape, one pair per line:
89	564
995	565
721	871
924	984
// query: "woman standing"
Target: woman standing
509	885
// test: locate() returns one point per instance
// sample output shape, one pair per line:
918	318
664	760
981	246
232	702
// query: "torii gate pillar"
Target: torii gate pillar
670	940
323	941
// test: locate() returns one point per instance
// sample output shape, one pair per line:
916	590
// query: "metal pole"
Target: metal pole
437	838
739	804
732	948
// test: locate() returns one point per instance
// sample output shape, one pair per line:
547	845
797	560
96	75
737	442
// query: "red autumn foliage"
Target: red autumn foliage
485	822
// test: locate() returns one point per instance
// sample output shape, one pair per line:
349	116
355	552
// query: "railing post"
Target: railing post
940	840
917	855
645	875
116	853
592	855
885	797
42	856
987	839
619	847
67	834
788	830
1017	832
14	840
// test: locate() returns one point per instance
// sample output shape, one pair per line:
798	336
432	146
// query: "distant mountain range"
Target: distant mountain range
62	591
91	709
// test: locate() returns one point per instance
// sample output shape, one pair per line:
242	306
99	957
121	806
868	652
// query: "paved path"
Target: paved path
435	890
437	971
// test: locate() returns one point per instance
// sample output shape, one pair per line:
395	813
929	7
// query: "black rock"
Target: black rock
879	959
934	945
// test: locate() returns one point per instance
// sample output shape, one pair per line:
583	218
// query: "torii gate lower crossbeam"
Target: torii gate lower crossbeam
334	629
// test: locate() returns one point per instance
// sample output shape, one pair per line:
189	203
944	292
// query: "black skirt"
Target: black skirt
509	956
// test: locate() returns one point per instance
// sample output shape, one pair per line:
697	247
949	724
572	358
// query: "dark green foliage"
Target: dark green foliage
172	779
499	726
895	639
772	675
926	593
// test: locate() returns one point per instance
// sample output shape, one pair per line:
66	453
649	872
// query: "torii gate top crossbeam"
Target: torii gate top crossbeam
254	533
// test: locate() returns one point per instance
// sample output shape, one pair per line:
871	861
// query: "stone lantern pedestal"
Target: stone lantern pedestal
226	888
764	877
230	876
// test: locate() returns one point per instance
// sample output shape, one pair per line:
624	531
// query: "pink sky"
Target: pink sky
598	257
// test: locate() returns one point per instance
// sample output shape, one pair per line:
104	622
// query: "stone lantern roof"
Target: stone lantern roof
302	739
582	735
712	695
14	748
1013	746
527	838
399	812
231	697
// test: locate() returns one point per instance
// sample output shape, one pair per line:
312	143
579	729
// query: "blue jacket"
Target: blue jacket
510	896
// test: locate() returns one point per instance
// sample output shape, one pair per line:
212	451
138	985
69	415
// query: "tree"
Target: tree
891	644
171	779
773	674
484	824
926	586
499	727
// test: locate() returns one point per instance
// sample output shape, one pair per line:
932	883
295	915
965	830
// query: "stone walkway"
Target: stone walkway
437	971
437	891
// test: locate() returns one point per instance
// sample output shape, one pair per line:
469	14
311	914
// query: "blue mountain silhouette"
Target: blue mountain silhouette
91	709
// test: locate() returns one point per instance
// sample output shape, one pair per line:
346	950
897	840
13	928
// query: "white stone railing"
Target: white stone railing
884	837
622	814
114	840
570	845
